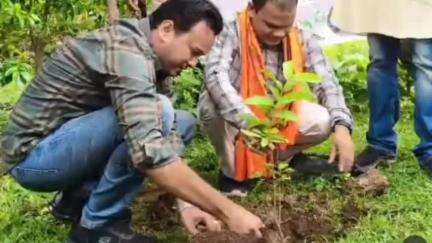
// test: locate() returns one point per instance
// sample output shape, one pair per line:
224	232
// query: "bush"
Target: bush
187	89
15	71
350	62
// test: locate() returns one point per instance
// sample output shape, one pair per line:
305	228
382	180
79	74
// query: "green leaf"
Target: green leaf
307	78
287	116
11	92
275	92
305	94
15	77
282	166
288	70
273	131
288	86
26	76
270	75
261	101
250	133
253	121
11	71
264	142
286	100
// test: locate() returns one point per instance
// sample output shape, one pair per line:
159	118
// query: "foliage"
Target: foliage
38	24
14	76
187	89
15	71
402	212
12	91
264	135
407	81
21	207
350	62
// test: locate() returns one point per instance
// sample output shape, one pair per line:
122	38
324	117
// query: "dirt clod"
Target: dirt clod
372	182
226	237
290	223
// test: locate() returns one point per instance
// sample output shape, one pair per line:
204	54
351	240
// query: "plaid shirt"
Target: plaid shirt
114	66
223	71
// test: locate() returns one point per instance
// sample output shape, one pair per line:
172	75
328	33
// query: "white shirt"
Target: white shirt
396	18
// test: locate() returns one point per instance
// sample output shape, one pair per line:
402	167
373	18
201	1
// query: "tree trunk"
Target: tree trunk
138	7
113	12
38	46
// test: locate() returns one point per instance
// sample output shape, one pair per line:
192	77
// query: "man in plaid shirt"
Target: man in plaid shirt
93	119
221	107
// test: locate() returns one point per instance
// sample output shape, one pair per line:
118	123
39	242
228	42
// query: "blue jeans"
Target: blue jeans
90	151
384	94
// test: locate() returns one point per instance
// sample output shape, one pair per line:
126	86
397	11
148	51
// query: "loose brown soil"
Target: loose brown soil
372	182
295	223
312	217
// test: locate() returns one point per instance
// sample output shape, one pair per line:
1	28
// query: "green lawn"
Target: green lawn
404	210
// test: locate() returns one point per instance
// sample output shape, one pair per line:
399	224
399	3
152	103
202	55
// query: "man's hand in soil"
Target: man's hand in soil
343	149
196	220
244	222
177	178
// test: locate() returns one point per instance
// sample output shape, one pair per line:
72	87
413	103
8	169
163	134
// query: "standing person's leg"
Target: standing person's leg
421	69
384	94
384	101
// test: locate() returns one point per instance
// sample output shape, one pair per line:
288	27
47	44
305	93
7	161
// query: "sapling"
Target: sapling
264	135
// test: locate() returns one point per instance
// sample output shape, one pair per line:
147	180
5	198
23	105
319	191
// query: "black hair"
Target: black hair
187	13
258	4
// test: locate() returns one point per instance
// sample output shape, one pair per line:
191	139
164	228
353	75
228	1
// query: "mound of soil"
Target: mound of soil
225	237
293	223
156	211
372	182
312	217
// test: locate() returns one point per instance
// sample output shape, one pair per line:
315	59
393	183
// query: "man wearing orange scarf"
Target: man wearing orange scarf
263	37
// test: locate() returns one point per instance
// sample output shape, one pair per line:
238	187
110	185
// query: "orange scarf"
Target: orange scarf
250	164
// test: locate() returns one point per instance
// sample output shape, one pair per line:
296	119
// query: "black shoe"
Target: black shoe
232	188
371	158
415	239
118	232
67	205
426	165
313	165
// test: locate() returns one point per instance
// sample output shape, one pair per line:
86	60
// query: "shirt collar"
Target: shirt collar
144	25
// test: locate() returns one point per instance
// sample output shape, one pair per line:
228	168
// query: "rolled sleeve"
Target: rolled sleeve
217	80
130	66
140	115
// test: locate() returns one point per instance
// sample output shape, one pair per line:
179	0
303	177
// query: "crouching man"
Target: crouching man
263	37
92	120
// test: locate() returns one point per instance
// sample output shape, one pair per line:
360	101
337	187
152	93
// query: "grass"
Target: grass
405	210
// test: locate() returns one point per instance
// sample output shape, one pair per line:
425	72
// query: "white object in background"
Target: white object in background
229	8
311	15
